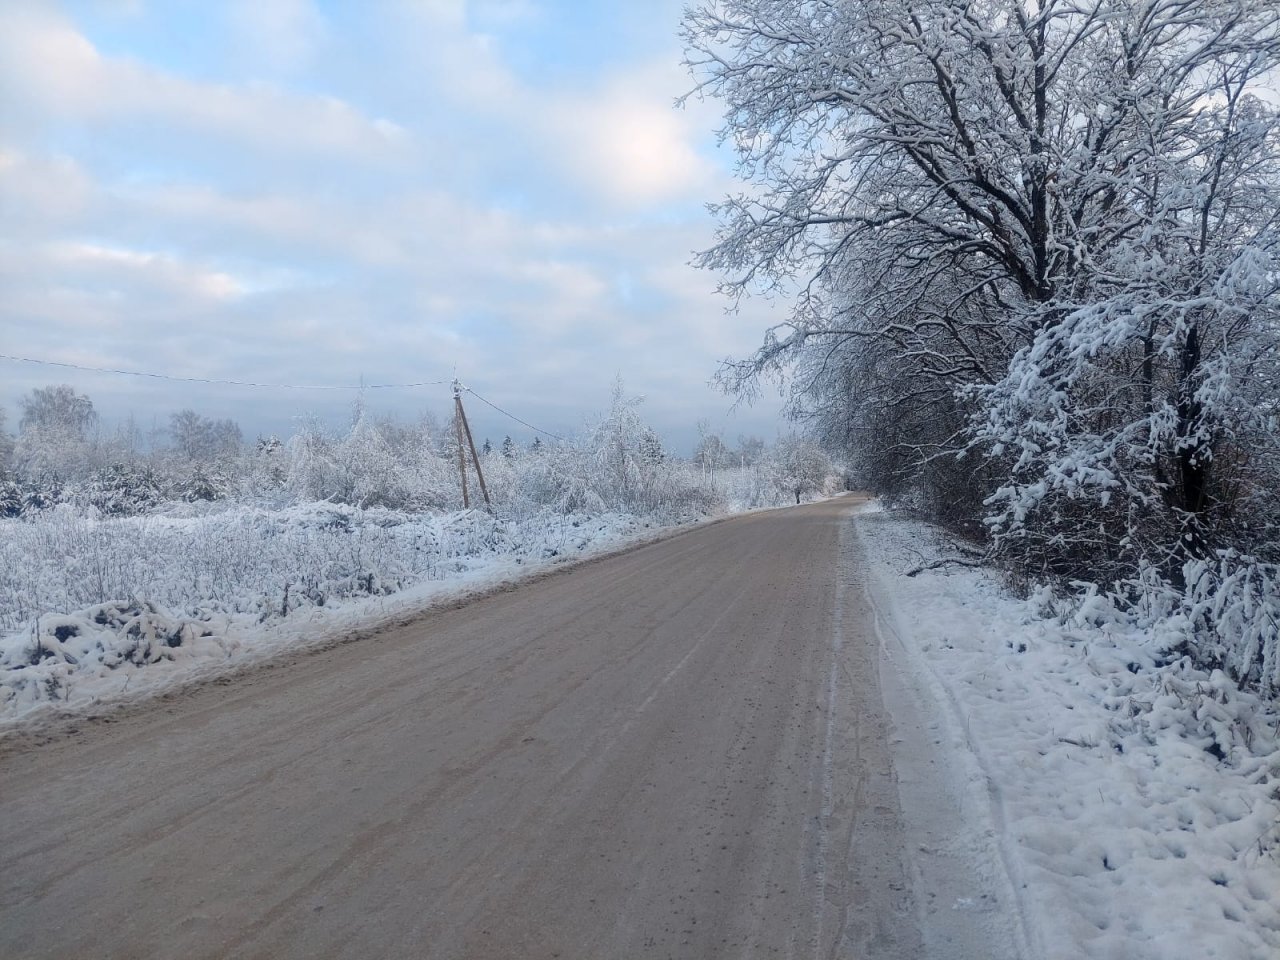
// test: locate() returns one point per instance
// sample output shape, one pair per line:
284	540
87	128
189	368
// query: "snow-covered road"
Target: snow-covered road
679	751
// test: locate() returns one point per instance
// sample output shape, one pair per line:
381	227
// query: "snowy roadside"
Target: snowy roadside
225	593
1135	802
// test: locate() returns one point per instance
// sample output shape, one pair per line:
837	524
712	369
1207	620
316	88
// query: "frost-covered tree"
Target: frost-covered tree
750	449
946	186
798	467
378	462
651	450
711	452
311	461
54	433
200	439
124	489
266	467
57	409
1146	398
369	472
208	454
621	445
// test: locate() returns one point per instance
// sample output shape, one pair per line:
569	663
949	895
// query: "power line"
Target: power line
234	383
515	418
282	386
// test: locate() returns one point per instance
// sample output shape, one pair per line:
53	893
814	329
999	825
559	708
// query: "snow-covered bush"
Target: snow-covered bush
202	485
1233	604
123	490
1225	616
10	498
628	466
375	463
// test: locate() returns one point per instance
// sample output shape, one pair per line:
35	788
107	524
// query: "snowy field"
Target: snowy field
1136	800
105	610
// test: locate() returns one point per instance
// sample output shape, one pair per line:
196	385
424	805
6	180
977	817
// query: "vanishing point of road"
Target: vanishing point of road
676	751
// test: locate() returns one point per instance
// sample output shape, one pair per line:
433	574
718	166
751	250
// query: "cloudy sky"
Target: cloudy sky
292	191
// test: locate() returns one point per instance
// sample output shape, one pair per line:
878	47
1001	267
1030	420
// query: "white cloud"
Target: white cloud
452	63
50	71
283	35
619	139
450	13
124	267
40	192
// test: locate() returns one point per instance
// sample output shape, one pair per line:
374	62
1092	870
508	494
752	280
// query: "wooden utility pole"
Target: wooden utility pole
462	451
463	426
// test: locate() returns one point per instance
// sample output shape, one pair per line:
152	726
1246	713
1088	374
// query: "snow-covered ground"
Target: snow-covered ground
97	611
1129	802
1133	799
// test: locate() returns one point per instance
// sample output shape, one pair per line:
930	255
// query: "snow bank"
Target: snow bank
1139	796
103	609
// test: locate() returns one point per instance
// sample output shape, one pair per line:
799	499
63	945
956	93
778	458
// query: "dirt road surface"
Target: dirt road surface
679	751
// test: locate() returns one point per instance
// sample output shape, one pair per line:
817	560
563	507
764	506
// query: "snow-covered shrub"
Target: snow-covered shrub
122	490
1226	616
10	498
41	492
1235	601
202	485
46	662
376	463
560	480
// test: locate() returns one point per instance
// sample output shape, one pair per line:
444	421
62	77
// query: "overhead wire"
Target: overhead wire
512	416
235	383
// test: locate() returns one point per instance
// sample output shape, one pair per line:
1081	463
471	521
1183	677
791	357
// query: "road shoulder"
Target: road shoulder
967	896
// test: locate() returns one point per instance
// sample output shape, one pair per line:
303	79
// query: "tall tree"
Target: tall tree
200	439
54	432
57	410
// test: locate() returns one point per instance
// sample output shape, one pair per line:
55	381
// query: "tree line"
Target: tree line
62	455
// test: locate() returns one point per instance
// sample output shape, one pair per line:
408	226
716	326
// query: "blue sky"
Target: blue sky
290	191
